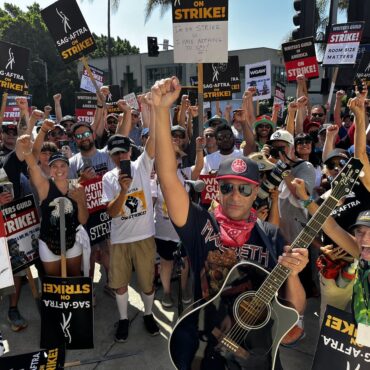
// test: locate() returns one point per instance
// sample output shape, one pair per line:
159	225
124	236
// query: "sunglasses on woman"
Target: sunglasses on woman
244	189
83	135
317	115
304	142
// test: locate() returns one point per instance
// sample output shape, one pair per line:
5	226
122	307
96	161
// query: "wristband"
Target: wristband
307	202
99	106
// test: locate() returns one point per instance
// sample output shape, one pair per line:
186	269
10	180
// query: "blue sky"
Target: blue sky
252	23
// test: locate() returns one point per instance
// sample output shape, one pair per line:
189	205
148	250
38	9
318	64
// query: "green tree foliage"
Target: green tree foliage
119	47
27	29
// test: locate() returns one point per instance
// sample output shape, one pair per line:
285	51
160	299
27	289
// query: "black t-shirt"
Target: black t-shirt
200	236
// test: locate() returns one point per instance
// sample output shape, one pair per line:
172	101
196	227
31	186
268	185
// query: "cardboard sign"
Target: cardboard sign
51	359
221	79
131	100
98	224
343	43
200	31
85	106
300	58
112	98
13	67
67	313
279	97
22	228
259	75
210	192
69	30
337	347
363	70
12	111
86	83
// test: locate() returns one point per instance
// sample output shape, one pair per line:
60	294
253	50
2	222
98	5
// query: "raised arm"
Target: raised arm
185	104
57	107
47	125
339	236
248	105
199	158
357	106
98	122
24	149
248	136
329	144
337	107
164	94
275	112
124	126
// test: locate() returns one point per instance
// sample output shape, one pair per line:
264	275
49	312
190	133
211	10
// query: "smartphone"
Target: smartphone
7	187
125	166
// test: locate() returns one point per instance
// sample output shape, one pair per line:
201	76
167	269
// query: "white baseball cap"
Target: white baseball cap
282	135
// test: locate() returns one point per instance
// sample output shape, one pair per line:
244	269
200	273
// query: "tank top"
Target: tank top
50	227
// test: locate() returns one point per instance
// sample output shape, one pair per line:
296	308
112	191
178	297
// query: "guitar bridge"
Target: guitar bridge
229	345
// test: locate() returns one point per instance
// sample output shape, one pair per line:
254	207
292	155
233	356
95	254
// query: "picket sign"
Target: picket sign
88	69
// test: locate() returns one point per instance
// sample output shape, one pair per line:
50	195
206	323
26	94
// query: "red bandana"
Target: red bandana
234	233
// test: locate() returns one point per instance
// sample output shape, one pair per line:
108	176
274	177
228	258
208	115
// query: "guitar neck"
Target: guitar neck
280	273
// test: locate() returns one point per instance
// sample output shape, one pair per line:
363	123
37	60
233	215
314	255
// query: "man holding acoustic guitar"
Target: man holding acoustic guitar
238	328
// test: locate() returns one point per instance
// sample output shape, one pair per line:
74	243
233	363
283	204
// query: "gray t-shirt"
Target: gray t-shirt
293	216
100	161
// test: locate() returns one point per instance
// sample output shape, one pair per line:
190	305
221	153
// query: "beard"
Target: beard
86	145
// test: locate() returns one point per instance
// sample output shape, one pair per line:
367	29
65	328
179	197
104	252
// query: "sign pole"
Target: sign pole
62	225
3	106
200	99
332	85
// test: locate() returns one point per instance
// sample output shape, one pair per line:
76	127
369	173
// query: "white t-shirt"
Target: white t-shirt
163	226
212	161
101	162
135	221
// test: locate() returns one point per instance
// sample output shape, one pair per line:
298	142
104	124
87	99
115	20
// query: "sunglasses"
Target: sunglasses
83	135
224	137
209	135
244	189
317	114
56	133
178	136
135	115
112	122
336	164
304	142
10	131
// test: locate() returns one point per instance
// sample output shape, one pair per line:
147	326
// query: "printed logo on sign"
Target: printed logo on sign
217	68
64	19
11	60
238	166
367	69
257	72
65	326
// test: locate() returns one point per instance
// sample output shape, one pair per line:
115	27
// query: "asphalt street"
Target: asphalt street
141	351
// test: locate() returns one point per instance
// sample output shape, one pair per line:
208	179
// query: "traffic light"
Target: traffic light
153	47
304	18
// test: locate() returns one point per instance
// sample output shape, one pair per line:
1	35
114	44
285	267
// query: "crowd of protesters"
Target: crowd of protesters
297	160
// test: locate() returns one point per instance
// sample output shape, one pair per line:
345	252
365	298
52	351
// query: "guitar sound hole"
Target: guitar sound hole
250	312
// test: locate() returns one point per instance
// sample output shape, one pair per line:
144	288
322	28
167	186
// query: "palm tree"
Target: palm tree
112	4
153	4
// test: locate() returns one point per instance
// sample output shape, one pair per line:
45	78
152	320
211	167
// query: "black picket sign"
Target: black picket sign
13	67
52	358
67	313
337	347
69	29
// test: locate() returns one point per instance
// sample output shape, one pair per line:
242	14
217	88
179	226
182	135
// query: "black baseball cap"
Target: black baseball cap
68	118
58	157
6	126
118	143
241	168
363	219
81	124
337	153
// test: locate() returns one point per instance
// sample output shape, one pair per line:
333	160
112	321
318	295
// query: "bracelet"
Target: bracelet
307	202
99	106
27	153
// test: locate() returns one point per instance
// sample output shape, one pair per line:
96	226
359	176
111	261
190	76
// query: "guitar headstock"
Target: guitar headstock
346	178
